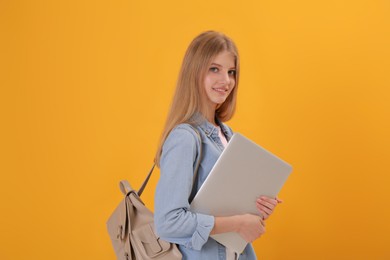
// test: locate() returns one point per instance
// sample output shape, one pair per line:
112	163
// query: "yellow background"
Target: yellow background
86	85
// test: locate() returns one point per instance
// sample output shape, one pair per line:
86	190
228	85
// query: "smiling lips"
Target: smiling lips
220	90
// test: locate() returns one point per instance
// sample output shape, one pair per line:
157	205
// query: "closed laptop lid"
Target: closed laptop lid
243	172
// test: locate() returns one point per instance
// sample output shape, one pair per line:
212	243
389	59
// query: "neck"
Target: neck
209	114
211	118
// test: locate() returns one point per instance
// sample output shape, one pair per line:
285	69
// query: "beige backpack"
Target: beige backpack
131	226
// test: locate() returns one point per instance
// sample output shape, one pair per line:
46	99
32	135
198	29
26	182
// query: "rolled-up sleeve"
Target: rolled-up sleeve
173	220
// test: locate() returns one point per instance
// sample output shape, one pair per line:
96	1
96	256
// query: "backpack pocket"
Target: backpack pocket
148	245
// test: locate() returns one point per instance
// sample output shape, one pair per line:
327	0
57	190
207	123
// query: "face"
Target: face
220	79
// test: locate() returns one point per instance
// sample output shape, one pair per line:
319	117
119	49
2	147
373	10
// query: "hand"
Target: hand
267	205
250	227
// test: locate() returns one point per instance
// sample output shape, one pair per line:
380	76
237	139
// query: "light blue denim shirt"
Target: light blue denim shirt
173	220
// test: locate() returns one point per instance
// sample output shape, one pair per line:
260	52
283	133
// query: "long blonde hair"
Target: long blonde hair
189	96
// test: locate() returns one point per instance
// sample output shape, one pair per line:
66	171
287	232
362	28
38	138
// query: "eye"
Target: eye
232	72
214	69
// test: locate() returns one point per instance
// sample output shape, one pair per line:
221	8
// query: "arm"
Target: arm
250	227
173	220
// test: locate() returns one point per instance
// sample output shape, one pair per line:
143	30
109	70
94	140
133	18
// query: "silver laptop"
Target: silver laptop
242	173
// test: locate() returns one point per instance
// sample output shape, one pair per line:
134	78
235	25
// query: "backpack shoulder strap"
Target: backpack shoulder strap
146	180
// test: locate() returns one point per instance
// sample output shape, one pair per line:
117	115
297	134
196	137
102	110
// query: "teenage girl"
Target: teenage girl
205	97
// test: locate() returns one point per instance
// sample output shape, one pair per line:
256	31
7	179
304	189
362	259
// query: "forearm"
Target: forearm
225	224
248	226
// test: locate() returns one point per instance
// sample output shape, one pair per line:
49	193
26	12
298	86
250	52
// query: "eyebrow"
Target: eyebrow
219	65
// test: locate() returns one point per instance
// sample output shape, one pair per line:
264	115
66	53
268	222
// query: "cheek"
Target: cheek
232	82
209	81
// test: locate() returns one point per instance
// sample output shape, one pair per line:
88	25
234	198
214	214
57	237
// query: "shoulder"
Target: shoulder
181	142
184	130
182	134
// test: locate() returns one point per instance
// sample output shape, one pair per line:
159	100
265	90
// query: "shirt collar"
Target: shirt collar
209	128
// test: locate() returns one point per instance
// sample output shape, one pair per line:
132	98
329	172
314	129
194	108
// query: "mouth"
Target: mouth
220	90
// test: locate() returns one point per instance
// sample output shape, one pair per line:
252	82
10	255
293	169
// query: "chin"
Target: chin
219	102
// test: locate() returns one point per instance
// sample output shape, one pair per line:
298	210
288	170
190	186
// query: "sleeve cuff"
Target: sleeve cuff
202	232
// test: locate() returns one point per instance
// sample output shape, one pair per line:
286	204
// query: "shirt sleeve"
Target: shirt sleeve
173	219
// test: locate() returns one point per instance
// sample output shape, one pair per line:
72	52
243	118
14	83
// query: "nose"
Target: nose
225	78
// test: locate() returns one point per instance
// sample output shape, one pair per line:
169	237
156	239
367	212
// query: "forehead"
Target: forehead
225	59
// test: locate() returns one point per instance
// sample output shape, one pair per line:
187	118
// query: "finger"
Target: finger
269	203
264	209
268	209
279	200
272	201
266	204
265	213
261	228
261	219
